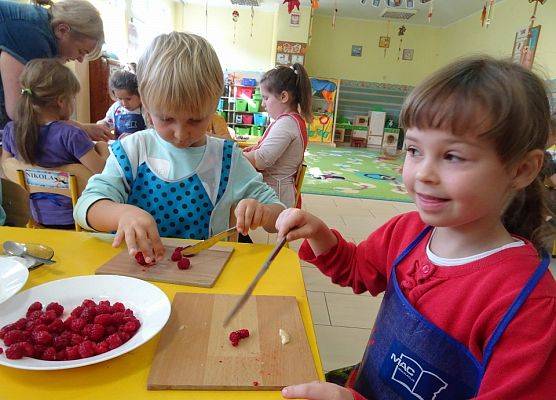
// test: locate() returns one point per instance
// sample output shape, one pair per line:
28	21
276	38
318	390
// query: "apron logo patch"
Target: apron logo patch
421	383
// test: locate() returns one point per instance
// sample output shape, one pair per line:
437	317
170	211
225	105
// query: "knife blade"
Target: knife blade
257	278
205	244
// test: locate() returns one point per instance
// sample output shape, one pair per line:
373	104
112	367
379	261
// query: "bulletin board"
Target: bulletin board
289	53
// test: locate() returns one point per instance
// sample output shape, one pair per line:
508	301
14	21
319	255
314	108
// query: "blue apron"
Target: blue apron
127	123
182	208
408	357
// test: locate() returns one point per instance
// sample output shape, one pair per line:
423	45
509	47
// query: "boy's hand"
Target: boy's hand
138	228
294	224
317	391
250	214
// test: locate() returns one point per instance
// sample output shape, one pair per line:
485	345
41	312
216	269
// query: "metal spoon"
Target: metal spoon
20	250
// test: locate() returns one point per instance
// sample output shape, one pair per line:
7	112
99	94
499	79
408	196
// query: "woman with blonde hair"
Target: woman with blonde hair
70	30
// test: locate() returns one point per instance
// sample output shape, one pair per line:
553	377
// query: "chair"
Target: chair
299	182
68	180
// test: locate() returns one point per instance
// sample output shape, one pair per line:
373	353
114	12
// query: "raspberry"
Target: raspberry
101	347
124	336
1	350
97	332
88	303
62	355
117	318
27	349
88	314
41	337
176	256
103	319
86	349
14	352
72	353
39	349
49	354
77	325
140	258
128	312
103	309
20	323
184	263
118	307
57	326
60	342
34	315
50	316
76	312
130	327
57	308
236	336
76	339
113	341
109	330
36	306
15	336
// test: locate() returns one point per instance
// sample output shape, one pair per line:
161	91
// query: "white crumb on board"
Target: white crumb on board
284	336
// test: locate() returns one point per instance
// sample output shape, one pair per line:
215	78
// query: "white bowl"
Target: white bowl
13	275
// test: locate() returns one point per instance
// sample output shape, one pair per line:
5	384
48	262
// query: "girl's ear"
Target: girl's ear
285	97
62	30
527	169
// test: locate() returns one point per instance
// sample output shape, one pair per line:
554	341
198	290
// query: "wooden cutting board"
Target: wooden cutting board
205	268
194	351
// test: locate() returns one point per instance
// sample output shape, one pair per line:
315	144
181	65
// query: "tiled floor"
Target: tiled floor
342	320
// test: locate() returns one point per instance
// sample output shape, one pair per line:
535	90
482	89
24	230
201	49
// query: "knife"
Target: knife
259	275
211	241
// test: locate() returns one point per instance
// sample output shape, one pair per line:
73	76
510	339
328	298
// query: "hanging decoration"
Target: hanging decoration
334	15
489	16
401	32
235	17
315	4
484	14
291	5
385	40
206	17
431	8
252	19
527	53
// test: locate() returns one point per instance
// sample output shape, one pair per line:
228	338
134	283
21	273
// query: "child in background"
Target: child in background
286	93
469	305
40	135
125	115
174	180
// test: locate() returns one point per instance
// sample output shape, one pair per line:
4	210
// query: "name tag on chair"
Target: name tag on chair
47	179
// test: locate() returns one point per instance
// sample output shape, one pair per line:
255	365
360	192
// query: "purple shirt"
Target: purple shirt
59	144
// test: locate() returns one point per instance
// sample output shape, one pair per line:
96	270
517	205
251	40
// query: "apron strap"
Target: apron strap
515	307
411	246
123	161
227	153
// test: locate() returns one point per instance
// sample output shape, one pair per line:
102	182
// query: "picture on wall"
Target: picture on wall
524	53
384	42
295	19
289	53
407	54
356	50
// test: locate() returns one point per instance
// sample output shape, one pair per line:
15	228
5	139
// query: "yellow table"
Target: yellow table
125	377
251	141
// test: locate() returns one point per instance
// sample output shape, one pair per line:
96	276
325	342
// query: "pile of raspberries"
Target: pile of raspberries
236	336
183	262
89	330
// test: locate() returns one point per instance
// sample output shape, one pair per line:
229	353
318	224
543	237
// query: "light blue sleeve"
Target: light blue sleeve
249	184
109	184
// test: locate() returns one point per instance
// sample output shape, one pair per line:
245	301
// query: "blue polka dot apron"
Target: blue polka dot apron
127	123
181	208
408	357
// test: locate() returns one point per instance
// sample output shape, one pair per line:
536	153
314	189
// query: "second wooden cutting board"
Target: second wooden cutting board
194	351
205	266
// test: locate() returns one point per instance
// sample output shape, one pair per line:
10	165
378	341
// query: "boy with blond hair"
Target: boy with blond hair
173	180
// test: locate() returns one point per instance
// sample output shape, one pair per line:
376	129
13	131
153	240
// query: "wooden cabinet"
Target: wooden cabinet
99	93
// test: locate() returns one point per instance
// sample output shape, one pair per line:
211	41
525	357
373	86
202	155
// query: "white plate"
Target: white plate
13	275
149	304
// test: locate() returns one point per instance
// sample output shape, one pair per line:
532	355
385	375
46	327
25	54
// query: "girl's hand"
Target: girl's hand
138	228
294	224
317	391
97	132
250	214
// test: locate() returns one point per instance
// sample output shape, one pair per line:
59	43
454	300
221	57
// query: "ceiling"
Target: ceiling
445	12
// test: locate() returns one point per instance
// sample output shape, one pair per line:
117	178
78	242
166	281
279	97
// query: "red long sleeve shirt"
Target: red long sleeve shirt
466	301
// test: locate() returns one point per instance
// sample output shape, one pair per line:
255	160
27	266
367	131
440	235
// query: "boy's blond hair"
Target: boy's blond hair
180	72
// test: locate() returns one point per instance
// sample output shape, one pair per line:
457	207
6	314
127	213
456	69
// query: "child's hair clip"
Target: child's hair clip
26	91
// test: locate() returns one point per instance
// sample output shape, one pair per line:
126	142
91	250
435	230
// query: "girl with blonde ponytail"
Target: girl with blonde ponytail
40	134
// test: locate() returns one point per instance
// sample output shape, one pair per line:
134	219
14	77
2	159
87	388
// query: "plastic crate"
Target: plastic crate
241	105
253	105
260	119
249	82
243	92
239	119
242	130
248	119
257	130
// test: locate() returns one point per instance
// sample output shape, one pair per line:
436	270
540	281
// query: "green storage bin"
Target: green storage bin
242	130
221	113
253	106
257	130
241	105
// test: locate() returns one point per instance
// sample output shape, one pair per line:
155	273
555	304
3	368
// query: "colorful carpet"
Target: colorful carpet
352	172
